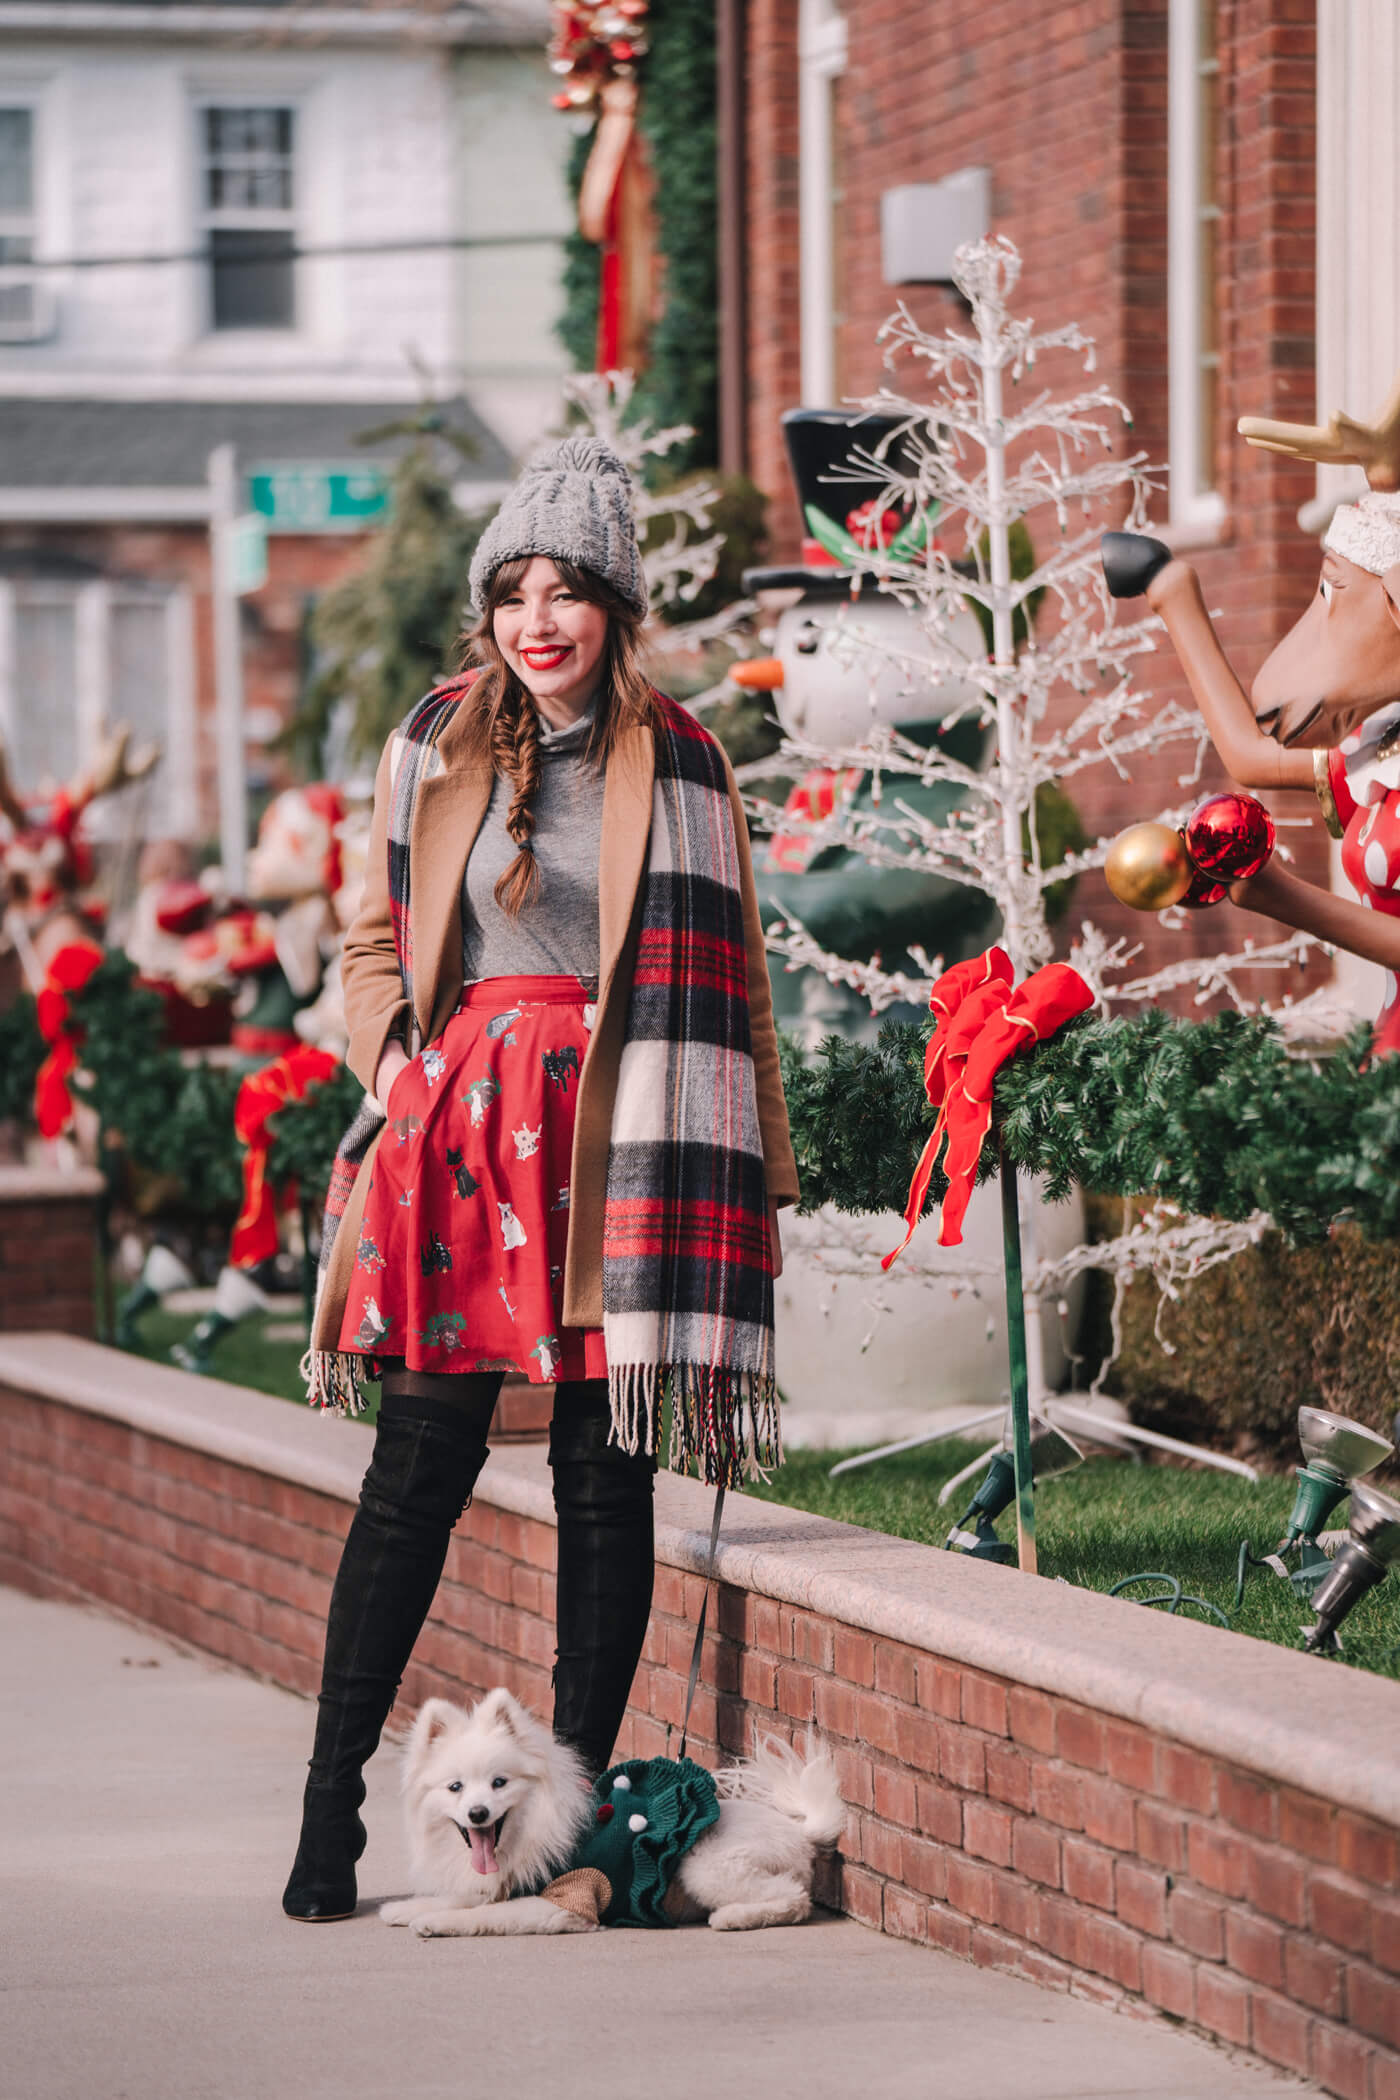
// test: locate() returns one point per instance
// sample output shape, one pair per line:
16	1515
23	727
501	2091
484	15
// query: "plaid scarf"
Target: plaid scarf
687	1265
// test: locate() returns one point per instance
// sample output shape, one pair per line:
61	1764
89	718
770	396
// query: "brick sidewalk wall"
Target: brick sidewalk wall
48	1249
1011	1828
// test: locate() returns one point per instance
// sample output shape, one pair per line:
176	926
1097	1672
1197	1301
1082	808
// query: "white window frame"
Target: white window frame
92	603
822	41
26	226
211	219
1193	508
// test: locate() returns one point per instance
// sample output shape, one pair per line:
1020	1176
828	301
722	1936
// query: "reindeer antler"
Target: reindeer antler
10	804
1340	442
115	766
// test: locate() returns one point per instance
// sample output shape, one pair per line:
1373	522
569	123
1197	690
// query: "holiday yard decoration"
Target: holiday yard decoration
1228	839
1324	713
1111	1103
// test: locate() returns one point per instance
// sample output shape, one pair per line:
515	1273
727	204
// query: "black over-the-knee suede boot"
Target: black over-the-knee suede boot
427	1455
603	1496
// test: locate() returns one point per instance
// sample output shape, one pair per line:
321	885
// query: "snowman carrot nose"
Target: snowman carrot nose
761	674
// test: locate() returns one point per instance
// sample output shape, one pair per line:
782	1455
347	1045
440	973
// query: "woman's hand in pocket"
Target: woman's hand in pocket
393	1060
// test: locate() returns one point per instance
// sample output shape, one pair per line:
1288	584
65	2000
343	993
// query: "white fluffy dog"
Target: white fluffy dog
494	1806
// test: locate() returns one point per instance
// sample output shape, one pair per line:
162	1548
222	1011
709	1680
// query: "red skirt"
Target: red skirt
460	1261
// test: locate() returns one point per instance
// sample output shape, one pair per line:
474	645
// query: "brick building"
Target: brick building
1207	186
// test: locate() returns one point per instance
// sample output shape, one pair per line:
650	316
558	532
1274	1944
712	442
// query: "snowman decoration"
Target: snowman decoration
850	660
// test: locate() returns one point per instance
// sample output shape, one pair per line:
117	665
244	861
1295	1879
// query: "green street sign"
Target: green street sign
247	553
319	498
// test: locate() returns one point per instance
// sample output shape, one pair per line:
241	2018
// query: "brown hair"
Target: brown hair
625	697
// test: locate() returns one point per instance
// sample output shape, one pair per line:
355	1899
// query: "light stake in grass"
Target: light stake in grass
1371	1550
1048	1452
1338	1452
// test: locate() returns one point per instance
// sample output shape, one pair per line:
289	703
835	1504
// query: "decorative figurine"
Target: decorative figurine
837	696
1324	712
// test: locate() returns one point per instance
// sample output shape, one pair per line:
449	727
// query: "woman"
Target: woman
577	1176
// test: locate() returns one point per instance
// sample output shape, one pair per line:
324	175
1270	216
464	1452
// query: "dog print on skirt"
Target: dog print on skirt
460	1261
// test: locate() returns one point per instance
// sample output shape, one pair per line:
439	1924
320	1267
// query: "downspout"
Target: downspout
730	40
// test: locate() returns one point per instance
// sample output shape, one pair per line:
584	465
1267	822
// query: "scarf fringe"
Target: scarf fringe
332	1378
724	1422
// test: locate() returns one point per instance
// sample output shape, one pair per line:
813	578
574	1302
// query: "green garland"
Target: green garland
1211	1115
676	118
166	1127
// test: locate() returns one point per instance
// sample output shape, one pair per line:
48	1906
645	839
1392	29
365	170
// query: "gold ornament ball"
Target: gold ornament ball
1148	867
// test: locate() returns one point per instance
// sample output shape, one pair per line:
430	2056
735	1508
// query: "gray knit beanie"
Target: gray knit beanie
572	502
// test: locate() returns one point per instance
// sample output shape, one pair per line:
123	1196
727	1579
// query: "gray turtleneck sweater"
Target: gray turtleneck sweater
557	935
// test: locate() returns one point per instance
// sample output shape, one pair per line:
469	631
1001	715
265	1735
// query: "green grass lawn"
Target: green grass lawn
1109	1519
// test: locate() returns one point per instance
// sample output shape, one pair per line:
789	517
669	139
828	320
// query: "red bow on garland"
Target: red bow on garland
982	1020
261	1095
67	973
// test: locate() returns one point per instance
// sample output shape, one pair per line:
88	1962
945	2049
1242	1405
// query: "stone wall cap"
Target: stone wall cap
19	1184
1297	1719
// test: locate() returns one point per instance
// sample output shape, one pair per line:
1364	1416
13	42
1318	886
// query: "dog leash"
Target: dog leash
696	1651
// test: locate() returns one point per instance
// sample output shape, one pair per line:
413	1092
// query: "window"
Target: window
821	46
77	656
247	206
20	316
1193	217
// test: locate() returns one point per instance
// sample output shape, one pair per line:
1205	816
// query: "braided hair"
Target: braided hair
513	725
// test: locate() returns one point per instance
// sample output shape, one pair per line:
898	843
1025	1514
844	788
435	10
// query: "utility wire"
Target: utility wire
422	244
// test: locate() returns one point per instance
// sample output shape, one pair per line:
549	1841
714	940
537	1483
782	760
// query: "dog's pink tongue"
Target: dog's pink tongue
483	1844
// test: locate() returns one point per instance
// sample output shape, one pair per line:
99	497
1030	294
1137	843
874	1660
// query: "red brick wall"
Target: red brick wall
1067	106
1009	1827
48	1253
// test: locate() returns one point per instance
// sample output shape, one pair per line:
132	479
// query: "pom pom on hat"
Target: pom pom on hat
572	502
1367	532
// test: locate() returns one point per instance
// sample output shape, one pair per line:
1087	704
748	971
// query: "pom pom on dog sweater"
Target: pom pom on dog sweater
647	1814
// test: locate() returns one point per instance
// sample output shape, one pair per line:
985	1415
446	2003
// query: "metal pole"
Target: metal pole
1020	1388
1025	1337
228	666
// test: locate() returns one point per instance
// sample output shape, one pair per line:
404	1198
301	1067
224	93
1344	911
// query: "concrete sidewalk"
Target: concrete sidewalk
146	1825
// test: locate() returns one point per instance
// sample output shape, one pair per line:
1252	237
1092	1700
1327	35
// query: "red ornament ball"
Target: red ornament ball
1204	891
1229	838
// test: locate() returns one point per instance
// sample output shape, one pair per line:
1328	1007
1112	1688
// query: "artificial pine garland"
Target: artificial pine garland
1212	1115
1215	1116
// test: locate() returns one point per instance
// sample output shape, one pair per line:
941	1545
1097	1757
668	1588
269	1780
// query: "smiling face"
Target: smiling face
552	639
1338	664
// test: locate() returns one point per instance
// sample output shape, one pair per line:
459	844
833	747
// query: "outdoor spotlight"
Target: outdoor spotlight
1337	1453
1371	1550
1052	1452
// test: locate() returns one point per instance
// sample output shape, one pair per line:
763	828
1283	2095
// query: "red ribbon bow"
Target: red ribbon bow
982	1021
67	973
259	1098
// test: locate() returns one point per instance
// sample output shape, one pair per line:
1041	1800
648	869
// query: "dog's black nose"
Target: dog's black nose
479	1815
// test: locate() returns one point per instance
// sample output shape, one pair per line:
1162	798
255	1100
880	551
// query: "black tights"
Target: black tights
429	1449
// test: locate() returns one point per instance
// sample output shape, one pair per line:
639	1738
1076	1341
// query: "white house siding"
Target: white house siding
118	174
512	150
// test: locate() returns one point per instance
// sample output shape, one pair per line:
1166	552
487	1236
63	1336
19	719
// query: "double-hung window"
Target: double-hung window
1193	216
248	181
20	304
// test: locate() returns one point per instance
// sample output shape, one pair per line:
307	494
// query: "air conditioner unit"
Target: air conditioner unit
28	310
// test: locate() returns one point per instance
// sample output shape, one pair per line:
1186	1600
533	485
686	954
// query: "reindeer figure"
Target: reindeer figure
1323	715
45	861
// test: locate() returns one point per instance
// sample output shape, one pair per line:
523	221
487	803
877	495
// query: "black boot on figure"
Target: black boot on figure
427	1455
603	1496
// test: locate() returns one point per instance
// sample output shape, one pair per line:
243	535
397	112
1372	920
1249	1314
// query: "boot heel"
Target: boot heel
321	1888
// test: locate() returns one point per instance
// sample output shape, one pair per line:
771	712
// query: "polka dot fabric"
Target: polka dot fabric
460	1260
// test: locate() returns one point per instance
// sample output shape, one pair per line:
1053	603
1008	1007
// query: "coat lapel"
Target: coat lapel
451	803
626	830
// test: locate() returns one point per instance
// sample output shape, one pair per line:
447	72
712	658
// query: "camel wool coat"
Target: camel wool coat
448	813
